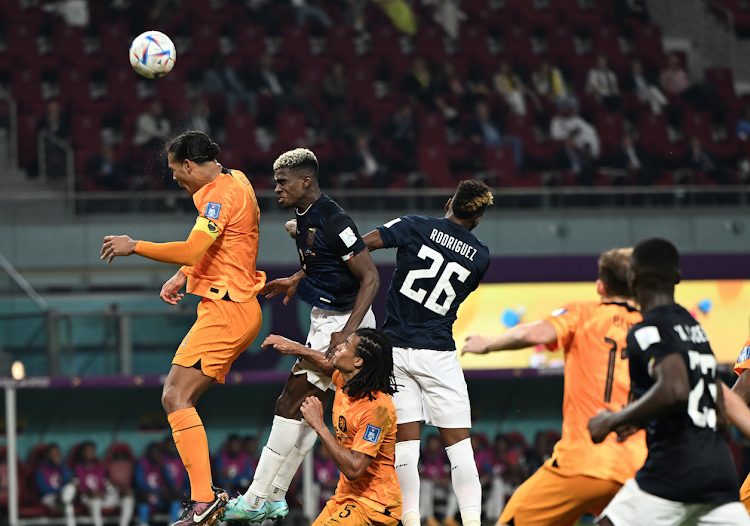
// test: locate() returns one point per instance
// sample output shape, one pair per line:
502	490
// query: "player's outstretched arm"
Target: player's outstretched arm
671	391
286	286
287	346
737	410
523	335
364	270
177	253
351	463
373	240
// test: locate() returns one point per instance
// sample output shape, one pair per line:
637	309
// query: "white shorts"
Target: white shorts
323	323
634	507
431	388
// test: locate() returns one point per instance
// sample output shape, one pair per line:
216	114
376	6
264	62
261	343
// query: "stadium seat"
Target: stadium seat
290	127
385	42
431	129
696	124
499	160
429	43
610	127
87	130
723	81
341	44
433	162
251	40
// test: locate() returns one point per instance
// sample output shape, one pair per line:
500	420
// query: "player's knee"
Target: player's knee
285	407
171	400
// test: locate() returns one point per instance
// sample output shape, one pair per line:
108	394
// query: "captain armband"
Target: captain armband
206	225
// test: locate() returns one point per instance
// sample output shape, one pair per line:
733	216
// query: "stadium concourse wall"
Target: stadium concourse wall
61	261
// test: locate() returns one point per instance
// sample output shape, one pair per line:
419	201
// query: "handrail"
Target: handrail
13	115
42	137
21	281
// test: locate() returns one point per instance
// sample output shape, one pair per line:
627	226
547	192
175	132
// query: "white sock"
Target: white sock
305	442
70	515
407	471
127	506
284	434
95	507
466	485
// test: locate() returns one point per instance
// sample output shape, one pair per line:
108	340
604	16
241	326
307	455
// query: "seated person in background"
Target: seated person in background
743	125
434	473
572	158
601	83
105	171
221	78
53	480
95	490
335	86
483	131
567	123
549	82
250	447
55	122
635	81
632	157
370	170
500	490
152	128
698	158
401	131
675	81
232	466
178	483
152	485
512	88
326	475
419	83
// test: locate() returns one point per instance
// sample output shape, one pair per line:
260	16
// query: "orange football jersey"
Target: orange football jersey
743	361
229	205
597	377
370	428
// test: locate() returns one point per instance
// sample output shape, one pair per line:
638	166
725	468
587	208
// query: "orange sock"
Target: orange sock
192	444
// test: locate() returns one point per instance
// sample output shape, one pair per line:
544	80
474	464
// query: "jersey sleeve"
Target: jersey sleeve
565	321
343	237
743	361
397	232
215	209
373	426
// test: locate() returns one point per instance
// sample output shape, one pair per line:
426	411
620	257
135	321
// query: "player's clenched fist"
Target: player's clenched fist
600	426
312	410
291	227
170	290
117	246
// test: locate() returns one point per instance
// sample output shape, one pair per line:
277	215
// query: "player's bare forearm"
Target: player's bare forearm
524	335
287	346
373	240
742	386
671	391
737	410
351	463
364	270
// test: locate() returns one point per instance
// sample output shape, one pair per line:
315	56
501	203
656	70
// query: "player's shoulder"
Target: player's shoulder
328	207
574	307
654	328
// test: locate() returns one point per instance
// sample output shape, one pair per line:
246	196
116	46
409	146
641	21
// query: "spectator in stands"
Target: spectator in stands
568	124
632	157
675	81
499	490
153	486
340	127
305	9
449	82
199	117
434	473
572	158
698	158
222	78
266	80
483	131
419	83
549	82
325	475
743	125
635	81
448	15
368	166
75	13
637	9
56	123
601	83
401	131
176	476
511	87
232	466
152	128
53	480
540	453
94	488
106	171
335	86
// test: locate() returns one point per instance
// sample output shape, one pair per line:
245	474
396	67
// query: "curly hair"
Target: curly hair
376	373
194	146
471	199
298	159
613	271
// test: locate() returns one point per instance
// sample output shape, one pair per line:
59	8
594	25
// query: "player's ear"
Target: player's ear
600	288
358	361
448	204
679	277
476	222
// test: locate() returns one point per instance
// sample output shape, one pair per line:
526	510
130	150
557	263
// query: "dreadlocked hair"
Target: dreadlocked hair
471	200
376	374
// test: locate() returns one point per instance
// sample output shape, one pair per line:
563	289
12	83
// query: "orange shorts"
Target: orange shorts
223	330
350	512
548	498
745	493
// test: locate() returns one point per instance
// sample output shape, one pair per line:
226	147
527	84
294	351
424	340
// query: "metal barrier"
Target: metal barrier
70	177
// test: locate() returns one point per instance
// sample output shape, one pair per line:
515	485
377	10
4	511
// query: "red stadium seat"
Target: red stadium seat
433	162
429	43
698	125
341	43
290	127
251	40
648	46
499	159
723	81
610	127
87	131
385	42
431	129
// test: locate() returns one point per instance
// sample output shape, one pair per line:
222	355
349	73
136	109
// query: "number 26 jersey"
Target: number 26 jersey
438	264
688	459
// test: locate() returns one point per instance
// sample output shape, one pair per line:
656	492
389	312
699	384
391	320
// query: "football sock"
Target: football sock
466	485
281	442
305	442
95	508
192	445
127	507
407	471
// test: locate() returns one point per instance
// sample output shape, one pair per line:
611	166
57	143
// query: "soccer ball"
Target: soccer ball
152	54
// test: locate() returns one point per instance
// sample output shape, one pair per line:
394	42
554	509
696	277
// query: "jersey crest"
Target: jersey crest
310	236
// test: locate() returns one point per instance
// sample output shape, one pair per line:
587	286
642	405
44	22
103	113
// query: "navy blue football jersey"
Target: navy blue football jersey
688	459
327	238
438	264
